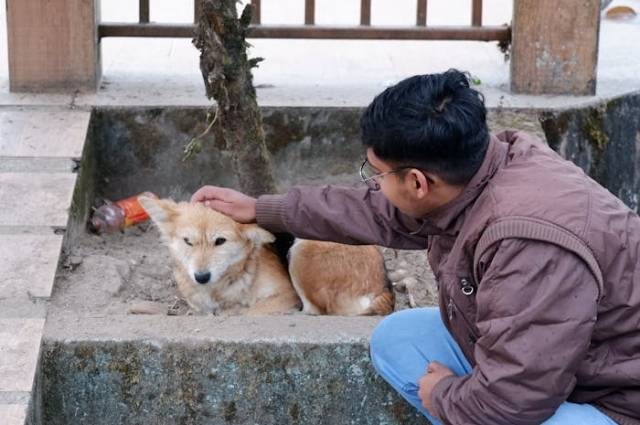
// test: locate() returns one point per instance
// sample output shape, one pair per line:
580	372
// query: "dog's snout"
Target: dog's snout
202	277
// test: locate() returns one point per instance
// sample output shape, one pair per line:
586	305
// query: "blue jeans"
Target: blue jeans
405	342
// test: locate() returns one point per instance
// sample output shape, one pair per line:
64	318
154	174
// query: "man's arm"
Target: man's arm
339	214
536	311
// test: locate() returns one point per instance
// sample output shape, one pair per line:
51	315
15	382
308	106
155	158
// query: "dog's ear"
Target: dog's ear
258	235
161	211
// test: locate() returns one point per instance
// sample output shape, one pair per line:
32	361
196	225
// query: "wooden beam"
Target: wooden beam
143	11
555	46
486	33
365	12
476	13
53	45
309	12
421	15
197	10
255	16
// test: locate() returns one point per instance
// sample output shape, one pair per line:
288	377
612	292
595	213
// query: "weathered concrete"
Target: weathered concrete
28	264
51	134
139	149
19	350
39	152
603	139
13	414
312	145
272	370
35	199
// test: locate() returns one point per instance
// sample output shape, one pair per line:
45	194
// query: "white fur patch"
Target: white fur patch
365	302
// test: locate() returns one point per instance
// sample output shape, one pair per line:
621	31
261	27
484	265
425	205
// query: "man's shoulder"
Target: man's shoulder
513	137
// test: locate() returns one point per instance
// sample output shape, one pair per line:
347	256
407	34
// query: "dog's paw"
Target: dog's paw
399	274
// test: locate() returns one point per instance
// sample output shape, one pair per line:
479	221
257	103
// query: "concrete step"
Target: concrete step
39	152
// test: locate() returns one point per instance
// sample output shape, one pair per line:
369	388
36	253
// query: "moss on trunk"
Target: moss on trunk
226	69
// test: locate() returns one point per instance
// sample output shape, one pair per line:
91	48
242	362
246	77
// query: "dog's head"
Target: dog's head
206	243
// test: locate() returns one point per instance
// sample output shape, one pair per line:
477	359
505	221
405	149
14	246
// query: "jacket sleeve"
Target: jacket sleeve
339	214
536	308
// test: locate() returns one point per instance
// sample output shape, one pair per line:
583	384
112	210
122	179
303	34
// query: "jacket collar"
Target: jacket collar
444	218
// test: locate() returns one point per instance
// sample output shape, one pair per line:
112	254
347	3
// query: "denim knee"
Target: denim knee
399	329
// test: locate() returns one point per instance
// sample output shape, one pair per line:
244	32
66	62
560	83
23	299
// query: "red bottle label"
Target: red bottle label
133	211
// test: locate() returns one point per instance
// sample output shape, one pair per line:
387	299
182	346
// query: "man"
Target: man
536	264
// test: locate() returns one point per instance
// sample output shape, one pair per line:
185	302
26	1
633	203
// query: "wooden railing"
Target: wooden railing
310	30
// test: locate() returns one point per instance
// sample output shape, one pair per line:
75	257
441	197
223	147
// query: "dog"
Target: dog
224	266
337	279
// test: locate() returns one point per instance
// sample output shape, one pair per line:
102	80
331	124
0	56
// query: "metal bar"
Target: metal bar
476	13
143	12
309	12
365	12
197	10
486	33
421	16
255	15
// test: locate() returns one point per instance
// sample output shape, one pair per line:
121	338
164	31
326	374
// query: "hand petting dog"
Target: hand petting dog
234	204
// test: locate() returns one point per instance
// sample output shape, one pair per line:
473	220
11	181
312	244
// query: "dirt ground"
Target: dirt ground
130	273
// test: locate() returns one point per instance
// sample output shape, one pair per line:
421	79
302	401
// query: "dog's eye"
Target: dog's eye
186	240
220	241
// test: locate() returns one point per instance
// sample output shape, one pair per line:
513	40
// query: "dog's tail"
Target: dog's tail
382	304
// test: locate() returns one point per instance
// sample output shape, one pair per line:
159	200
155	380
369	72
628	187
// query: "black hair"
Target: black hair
434	122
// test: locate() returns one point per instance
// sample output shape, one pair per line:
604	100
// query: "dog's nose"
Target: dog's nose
202	277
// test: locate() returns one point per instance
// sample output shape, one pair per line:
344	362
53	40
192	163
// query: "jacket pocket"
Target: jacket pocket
461	311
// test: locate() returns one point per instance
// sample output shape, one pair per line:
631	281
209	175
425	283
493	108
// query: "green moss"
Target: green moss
594	129
129	368
555	127
230	411
294	412
83	193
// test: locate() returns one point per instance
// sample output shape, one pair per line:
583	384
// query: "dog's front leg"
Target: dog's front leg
202	303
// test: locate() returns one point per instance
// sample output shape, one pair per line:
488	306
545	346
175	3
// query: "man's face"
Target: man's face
406	189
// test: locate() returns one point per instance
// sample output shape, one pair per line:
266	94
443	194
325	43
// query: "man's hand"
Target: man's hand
435	373
237	205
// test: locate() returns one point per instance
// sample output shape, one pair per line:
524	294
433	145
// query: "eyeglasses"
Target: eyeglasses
370	176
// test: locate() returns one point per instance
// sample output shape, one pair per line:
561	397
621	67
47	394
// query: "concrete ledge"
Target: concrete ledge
273	370
29	264
13	414
52	134
39	153
30	199
19	351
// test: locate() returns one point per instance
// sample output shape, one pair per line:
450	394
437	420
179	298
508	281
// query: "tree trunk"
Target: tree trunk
226	69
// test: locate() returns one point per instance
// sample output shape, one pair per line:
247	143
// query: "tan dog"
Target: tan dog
219	263
224	265
337	279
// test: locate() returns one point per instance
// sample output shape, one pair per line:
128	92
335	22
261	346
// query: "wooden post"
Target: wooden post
555	46
53	45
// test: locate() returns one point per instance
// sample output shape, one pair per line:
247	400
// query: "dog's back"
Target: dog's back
339	279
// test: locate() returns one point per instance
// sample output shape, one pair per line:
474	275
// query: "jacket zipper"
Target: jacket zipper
451	308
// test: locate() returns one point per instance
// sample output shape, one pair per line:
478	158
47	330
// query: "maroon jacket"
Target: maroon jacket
538	277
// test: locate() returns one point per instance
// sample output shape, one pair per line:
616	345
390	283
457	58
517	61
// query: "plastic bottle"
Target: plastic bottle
114	216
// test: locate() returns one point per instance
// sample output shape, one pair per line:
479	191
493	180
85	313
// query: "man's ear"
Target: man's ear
420	184
257	235
161	211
